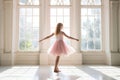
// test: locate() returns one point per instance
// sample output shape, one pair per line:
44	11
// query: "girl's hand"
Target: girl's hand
77	39
40	40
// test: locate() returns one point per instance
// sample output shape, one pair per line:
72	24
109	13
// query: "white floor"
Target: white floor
67	73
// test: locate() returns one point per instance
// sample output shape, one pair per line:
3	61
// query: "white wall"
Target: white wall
1	29
6	33
114	10
115	32
119	26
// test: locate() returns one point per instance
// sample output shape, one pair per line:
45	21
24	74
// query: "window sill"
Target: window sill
92	52
27	52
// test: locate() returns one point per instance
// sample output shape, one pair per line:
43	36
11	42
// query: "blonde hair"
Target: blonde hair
58	28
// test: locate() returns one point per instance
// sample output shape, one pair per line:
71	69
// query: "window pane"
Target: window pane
23	2
36	11
59	19
22	11
90	28
90	11
28	45
53	20
67	31
35	21
84	44
35	2
90	2
67	2
97	2
35	33
35	45
29	11
28	2
97	26
22	21
53	11
90	45
22	33
29	21
22	44
84	27
29	29
59	11
84	11
66	11
60	2
97	11
97	45
66	21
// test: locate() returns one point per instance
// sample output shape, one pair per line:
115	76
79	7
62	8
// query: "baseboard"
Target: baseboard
115	59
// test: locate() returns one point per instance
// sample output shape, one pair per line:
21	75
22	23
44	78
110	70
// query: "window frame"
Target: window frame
75	18
102	31
17	23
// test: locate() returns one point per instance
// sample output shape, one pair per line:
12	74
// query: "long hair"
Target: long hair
58	28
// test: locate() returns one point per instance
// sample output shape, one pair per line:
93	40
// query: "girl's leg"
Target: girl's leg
56	64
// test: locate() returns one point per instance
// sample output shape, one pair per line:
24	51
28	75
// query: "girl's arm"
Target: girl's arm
46	37
70	37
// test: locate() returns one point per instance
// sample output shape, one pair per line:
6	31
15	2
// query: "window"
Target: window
87	18
60	12
91	25
28	25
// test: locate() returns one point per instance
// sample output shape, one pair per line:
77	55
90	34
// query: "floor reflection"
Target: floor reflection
19	73
70	73
67	73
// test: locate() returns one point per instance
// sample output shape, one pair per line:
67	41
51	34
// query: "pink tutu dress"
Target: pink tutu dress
60	47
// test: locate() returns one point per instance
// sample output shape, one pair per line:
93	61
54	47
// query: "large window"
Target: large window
88	17
60	12
28	25
91	25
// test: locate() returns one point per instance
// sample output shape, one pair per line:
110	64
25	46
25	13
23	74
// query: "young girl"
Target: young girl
59	47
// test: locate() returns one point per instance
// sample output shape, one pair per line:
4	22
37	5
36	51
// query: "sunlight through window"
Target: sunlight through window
110	71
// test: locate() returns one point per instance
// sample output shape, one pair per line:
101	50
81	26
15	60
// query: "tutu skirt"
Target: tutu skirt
60	48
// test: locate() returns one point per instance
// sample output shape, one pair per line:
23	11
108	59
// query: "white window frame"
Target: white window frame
102	28
17	22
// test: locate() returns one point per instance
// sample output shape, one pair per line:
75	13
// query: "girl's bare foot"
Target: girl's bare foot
56	70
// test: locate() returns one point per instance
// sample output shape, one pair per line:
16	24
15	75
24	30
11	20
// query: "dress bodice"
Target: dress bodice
59	36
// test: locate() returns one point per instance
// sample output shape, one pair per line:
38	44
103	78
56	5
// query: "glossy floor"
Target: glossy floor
67	73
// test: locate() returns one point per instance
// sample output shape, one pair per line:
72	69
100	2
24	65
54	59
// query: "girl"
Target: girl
59	47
